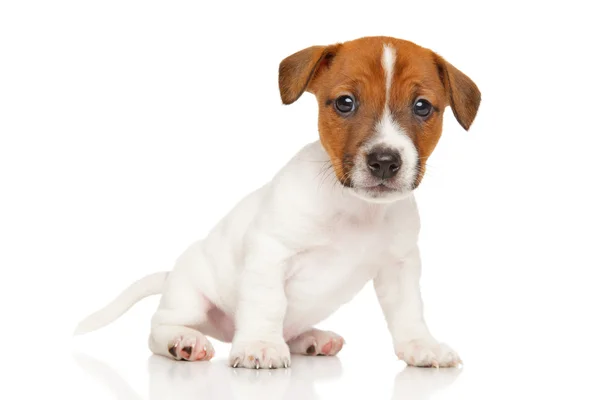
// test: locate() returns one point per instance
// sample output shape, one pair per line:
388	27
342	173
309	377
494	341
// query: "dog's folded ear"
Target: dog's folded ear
298	72
463	94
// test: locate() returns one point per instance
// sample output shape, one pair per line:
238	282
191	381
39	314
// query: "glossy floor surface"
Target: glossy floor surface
360	372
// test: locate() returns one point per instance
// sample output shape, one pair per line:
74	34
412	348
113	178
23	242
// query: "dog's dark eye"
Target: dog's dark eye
422	108
344	104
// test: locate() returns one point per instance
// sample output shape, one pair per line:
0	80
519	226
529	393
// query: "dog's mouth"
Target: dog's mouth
378	189
380	193
380	186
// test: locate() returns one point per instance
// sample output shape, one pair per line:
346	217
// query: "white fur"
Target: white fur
285	258
388	61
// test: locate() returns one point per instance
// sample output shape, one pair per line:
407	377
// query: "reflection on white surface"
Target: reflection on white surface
420	383
107	376
216	380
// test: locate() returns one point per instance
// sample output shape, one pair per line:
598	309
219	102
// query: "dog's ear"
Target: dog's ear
463	94
298	72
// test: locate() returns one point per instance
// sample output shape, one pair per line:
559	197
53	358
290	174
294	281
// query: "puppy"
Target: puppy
292	252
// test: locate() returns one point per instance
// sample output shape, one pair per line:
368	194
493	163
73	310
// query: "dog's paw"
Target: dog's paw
191	347
259	354
317	343
427	353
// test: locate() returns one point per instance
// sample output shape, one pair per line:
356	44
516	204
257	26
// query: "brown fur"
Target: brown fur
355	68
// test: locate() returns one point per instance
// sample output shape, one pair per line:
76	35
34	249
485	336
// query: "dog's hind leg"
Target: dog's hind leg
182	310
180	343
315	342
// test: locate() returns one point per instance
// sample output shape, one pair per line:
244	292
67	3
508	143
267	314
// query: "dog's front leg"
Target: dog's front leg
398	291
258	341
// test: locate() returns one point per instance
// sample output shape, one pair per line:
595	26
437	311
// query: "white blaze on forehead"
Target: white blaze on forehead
388	60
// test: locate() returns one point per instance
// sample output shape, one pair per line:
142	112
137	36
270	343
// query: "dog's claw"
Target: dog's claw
236	363
271	364
286	364
256	364
435	364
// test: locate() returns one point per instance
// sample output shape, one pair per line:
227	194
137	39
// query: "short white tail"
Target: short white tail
147	286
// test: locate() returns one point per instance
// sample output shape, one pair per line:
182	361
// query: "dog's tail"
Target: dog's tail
147	286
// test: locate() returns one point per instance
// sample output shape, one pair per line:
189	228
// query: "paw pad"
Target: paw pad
317	343
191	349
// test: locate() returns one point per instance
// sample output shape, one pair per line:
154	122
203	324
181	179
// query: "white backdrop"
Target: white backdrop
128	128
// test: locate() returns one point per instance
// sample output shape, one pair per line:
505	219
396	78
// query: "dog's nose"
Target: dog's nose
384	163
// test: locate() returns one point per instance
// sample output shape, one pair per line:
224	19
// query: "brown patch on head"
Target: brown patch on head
355	68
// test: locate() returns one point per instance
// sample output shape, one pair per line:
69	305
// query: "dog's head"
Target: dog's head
381	102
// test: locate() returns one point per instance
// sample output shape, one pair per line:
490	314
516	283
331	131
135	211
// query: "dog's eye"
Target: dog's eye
422	108
344	104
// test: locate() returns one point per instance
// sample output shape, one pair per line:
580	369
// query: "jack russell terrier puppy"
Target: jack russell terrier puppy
293	251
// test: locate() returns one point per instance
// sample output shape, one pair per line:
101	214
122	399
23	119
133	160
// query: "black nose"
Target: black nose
384	163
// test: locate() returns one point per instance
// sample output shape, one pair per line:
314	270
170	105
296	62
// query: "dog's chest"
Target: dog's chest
344	255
